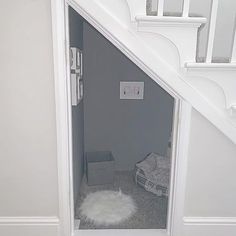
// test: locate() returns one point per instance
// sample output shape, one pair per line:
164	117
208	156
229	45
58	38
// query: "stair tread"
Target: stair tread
171	19
212	65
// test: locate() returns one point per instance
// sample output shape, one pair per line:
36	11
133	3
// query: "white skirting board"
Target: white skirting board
121	232
210	226
29	226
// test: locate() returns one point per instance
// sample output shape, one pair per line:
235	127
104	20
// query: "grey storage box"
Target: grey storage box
100	167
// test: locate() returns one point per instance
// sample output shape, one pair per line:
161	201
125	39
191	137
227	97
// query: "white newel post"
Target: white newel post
233	55
160	8
137	7
186	5
212	28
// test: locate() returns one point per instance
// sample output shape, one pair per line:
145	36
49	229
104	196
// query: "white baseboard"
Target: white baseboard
122	232
29	220
210	220
209	226
29	226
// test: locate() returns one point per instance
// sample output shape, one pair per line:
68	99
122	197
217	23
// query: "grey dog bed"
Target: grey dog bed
153	174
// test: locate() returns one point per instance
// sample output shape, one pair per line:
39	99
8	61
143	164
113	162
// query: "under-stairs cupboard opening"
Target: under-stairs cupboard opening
124	129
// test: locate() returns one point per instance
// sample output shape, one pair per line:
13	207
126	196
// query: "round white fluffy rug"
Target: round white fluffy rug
107	207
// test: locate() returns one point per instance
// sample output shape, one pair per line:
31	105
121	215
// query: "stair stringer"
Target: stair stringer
182	32
224	76
123	35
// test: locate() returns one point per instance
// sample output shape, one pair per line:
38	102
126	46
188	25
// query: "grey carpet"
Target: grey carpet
151	212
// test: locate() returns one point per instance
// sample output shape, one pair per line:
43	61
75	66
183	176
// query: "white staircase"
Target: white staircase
166	46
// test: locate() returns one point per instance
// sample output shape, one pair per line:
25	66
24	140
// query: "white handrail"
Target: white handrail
160	8
186	5
233	55
212	29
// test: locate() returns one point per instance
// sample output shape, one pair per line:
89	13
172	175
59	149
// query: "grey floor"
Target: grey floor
151	212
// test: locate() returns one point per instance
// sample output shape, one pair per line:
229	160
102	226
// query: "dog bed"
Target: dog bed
153	174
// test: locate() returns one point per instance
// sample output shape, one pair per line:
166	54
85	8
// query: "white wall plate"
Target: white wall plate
131	90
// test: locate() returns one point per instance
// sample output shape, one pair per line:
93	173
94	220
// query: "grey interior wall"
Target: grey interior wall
129	128
76	40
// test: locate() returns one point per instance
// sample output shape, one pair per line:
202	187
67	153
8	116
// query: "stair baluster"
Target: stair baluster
186	5
160	9
212	28
233	56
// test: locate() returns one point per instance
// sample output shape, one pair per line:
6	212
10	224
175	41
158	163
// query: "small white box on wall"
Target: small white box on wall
76	60
76	66
76	89
73	58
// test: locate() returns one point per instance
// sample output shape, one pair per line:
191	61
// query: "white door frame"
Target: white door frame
182	119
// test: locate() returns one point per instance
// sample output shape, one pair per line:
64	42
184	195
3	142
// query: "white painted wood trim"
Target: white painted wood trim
214	66
174	143
62	115
233	110
123	232
69	102
34	220
136	7
191	21
186	5
181	168
160	7
154	4
212	29
233	55
209	220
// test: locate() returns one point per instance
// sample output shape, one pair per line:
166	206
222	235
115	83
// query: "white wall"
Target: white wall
211	185
225	23
28	166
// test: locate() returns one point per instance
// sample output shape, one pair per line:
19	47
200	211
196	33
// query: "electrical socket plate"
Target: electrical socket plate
131	90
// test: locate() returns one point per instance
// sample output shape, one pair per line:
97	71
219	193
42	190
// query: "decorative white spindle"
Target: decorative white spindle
154	5
186	5
137	8
212	29
160	8
233	56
